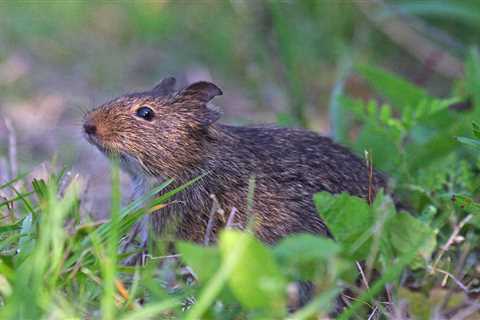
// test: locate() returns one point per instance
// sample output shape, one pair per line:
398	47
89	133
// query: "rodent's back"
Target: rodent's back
289	167
163	133
299	156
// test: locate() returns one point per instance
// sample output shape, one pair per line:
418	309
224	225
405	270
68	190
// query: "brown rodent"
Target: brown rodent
163	133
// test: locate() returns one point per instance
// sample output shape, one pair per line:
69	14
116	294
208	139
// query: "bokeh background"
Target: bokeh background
276	61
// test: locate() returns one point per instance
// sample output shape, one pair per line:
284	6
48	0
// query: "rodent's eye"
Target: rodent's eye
145	113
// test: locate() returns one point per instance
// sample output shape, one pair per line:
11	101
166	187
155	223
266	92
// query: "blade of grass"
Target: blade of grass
109	261
322	302
138	203
12	200
151	311
215	285
11	227
339	120
28	205
9	183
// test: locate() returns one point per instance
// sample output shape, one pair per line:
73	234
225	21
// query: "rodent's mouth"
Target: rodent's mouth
100	146
125	158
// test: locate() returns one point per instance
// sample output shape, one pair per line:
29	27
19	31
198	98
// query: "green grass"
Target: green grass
57	263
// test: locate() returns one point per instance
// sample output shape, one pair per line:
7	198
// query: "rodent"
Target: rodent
164	133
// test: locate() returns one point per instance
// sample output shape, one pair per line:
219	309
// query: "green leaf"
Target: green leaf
419	304
312	248
204	261
475	143
461	11
382	143
317	255
470	206
398	91
152	310
405	232
41	189
318	307
476	129
472	76
255	280
349	219
470	142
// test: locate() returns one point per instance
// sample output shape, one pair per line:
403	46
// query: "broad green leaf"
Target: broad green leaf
404	233
255	280
319	307
204	261
381	143
311	246
438	146
398	91
317	255
349	219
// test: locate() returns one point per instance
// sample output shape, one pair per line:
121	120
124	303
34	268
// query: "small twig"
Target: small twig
458	282
347	298
231	217
121	289
368	159
214	209
389	303
457	272
12	148
171	256
447	245
373	314
364	277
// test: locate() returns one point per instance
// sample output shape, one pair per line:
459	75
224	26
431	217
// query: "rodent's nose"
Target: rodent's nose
89	128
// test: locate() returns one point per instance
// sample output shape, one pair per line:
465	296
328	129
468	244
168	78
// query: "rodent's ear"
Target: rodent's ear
165	87
203	91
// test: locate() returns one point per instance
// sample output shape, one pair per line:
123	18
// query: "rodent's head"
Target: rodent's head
157	132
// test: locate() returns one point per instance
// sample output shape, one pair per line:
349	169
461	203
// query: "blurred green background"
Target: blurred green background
276	61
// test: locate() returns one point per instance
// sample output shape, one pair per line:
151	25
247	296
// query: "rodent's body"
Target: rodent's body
289	165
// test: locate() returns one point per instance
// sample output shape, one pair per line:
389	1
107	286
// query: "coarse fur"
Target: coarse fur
184	141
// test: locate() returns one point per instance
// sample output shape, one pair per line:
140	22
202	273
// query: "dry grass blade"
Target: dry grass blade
12	148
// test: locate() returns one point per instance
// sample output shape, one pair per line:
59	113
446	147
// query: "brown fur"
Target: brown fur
184	141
